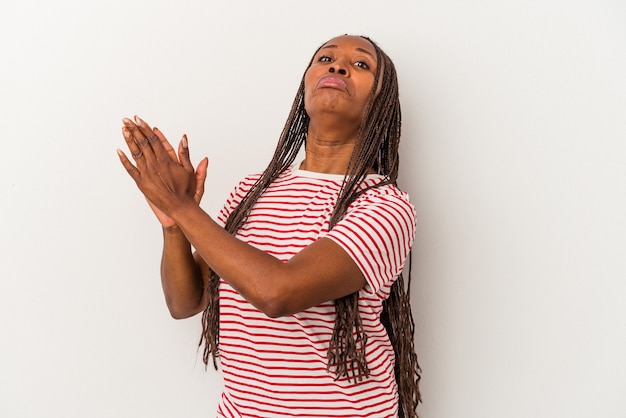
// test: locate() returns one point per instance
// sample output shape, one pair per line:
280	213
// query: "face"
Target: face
340	78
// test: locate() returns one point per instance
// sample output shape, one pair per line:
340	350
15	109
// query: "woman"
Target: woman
300	275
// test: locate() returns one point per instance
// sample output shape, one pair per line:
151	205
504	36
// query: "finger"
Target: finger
153	140
144	142
130	168
135	151
140	140
168	147
183	154
201	172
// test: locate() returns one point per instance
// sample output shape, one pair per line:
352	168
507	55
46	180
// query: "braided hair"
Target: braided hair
376	147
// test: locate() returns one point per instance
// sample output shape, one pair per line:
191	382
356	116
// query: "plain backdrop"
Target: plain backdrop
514	153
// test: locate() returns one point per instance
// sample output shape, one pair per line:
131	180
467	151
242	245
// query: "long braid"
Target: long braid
291	139
380	133
398	321
377	148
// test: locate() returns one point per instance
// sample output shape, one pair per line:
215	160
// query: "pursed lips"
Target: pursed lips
332	81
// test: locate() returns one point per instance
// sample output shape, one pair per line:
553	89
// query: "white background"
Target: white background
514	152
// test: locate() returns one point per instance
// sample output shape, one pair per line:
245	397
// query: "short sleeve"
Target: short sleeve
377	232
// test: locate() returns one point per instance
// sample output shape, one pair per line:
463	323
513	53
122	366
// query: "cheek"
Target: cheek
365	91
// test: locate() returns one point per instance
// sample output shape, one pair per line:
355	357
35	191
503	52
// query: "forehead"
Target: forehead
351	42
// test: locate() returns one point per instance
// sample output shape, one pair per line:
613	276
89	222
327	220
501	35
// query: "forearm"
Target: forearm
181	277
255	274
320	272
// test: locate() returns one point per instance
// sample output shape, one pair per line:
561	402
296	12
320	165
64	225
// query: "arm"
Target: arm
181	274
322	271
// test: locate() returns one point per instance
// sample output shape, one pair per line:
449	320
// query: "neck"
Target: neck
328	150
326	157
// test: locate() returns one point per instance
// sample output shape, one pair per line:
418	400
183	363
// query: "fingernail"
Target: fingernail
185	145
126	121
126	133
138	121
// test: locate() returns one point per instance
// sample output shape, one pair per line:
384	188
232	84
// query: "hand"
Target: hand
160	173
201	171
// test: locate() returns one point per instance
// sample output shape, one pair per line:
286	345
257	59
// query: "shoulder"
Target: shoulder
383	196
387	190
378	231
383	213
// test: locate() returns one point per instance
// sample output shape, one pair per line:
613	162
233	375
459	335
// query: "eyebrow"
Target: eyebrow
365	51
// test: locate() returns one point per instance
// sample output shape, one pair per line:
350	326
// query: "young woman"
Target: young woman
299	277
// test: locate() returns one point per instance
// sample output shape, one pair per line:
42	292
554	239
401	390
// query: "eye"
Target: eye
362	64
325	58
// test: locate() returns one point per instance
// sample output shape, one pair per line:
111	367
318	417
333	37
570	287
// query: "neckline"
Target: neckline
296	171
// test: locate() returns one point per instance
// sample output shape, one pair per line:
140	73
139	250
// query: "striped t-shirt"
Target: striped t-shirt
277	367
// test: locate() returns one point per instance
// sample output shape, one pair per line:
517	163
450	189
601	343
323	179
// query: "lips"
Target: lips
333	82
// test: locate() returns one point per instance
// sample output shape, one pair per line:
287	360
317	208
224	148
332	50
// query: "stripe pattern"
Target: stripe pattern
277	367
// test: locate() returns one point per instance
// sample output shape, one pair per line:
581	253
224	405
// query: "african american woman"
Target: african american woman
299	277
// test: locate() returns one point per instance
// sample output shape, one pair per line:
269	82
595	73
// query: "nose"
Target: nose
340	70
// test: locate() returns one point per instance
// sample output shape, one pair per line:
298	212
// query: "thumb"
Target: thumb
183	154
201	172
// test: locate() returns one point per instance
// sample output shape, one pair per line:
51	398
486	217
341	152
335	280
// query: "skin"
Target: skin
322	271
336	112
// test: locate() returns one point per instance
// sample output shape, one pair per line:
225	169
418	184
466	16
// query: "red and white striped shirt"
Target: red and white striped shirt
277	367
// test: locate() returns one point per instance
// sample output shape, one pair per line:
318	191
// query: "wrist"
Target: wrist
172	230
173	233
174	237
185	215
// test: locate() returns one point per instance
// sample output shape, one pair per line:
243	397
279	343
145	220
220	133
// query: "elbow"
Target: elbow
178	311
274	311
276	305
178	314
